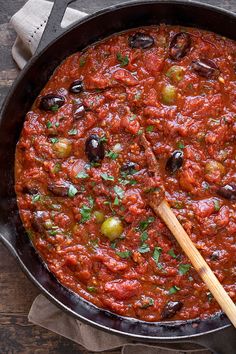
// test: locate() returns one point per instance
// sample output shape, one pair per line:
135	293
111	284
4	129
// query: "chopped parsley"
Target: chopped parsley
72	191
124	254
216	205
103	139
149	128
184	268
143	225
144	236
116	201
56	167
85	212
119	192
146	302
54	140
82	174
113	244
173	290
54	108
156	254
106	177
180	145
73	132
91	289
49	124
82	61
112	155
123	60
172	253
36	198
144	248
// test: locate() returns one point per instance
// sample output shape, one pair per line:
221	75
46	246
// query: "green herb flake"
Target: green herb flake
178	205
146	302
144	236
82	61
57	124
119	192
49	124
106	177
85	212
180	145
103	139
124	254
140	132
132	117
72	191
122	60
56	167
54	140
54	108
216	205
144	248
149	128
172	253
184	268
173	290
113	244
143	225
82	174
112	155
91	289
156	254
116	201
72	132
36	198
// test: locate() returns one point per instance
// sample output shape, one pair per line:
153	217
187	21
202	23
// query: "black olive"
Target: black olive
179	45
175	161
78	110
60	189
128	167
51	102
94	148
37	221
228	191
76	86
29	190
205	68
171	308
141	40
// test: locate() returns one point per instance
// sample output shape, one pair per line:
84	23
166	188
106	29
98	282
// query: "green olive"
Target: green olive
112	228
168	94
175	73
99	216
62	147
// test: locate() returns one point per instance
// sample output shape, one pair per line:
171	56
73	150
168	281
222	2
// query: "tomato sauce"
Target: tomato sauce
83	178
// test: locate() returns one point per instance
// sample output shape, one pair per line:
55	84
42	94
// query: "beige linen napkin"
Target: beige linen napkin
29	23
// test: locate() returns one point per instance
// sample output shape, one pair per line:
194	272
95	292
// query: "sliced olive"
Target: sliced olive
169	94
141	40
175	161
78	109
37	221
171	308
206	68
94	148
179	45
51	102
228	191
112	228
76	86
60	189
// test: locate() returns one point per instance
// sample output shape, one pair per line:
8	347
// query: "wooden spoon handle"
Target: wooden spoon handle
205	272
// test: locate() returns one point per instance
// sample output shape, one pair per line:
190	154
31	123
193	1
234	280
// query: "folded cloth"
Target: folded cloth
29	23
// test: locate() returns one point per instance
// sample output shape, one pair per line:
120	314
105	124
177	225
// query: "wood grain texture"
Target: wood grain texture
17	335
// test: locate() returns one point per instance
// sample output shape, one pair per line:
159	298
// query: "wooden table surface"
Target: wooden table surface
17	335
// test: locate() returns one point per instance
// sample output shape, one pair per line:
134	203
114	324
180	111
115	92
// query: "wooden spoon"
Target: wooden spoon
162	208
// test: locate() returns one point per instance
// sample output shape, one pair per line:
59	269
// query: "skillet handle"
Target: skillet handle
220	342
53	27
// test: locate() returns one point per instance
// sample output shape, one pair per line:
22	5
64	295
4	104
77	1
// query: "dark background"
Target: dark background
17	335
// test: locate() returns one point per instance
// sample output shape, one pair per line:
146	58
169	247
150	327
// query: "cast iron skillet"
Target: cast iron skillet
215	332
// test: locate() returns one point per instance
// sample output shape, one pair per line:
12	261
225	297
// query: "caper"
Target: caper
112	228
179	45
62	147
76	86
99	216
51	102
175	161
94	148
175	73
206	68
168	94
141	40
